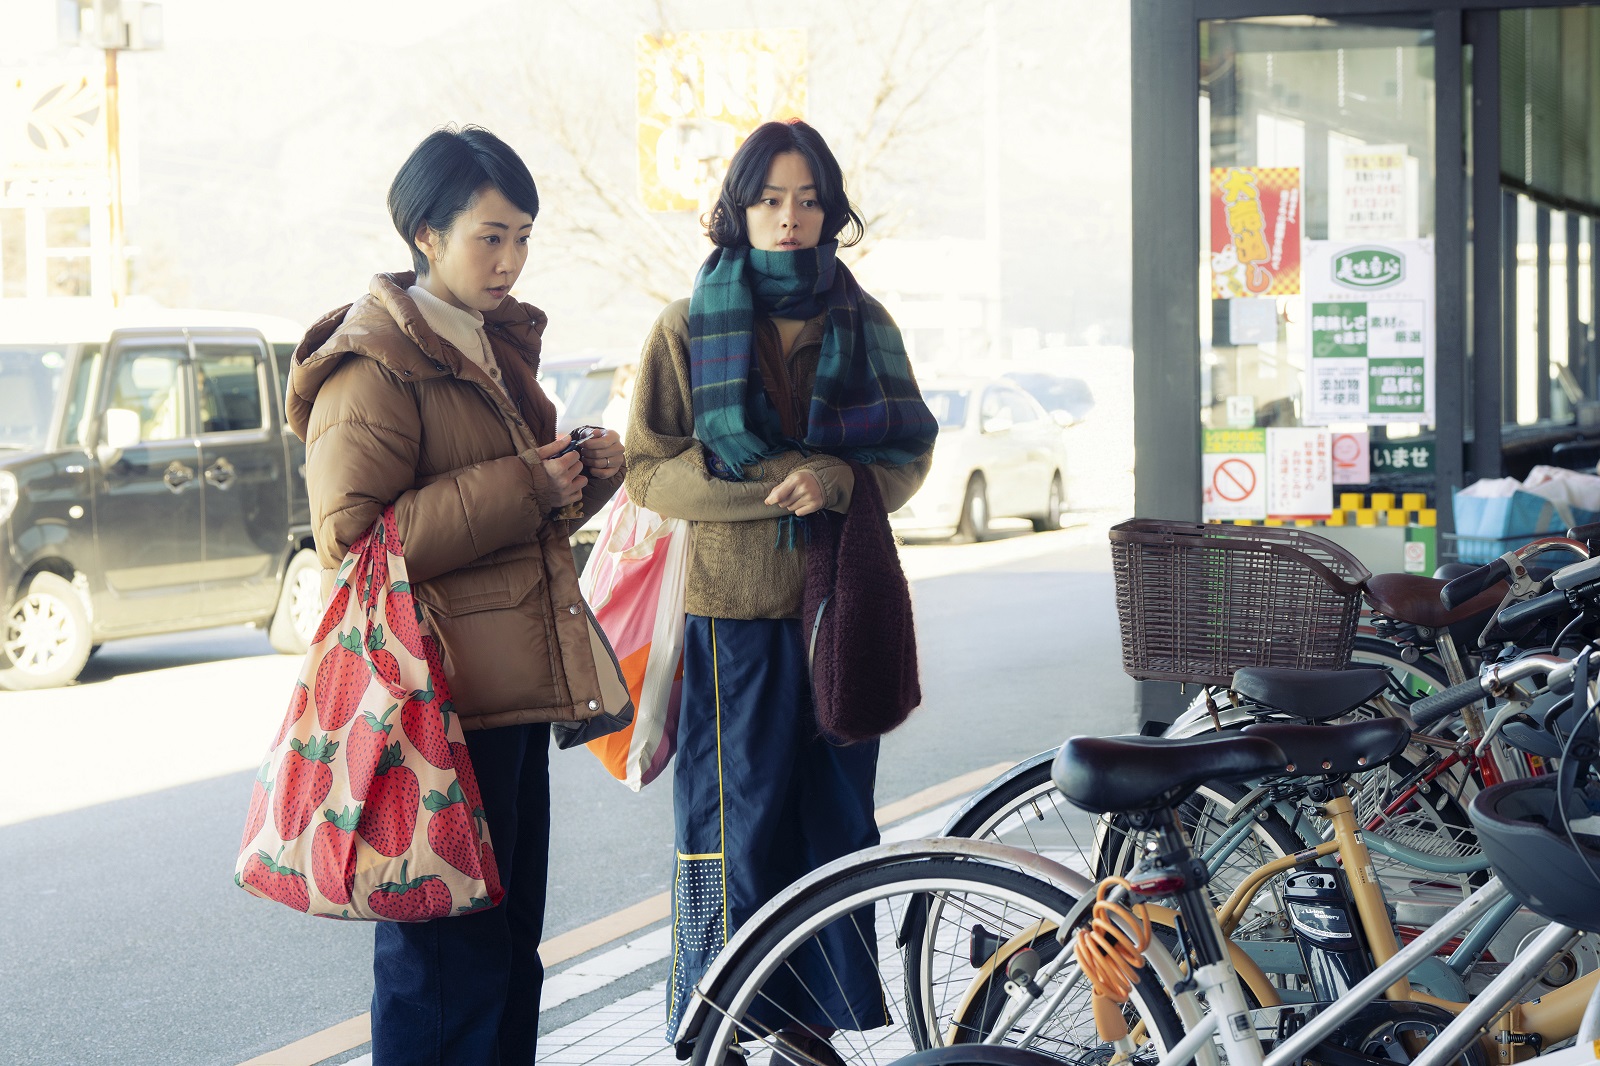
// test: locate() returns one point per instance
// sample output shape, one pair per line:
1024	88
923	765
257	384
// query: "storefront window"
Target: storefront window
66	227
67	275
13	253
1317	223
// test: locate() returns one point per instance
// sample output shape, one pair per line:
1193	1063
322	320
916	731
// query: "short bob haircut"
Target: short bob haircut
747	173
444	175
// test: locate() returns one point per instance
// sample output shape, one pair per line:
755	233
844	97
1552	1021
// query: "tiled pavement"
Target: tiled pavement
629	1030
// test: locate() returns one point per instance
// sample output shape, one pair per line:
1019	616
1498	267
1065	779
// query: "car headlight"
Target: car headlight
8	494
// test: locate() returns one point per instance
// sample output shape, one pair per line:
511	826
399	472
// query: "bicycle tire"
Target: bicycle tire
1023	809
998	895
976	1055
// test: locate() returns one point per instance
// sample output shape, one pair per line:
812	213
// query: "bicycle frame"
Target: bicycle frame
1559	1013
1556	1015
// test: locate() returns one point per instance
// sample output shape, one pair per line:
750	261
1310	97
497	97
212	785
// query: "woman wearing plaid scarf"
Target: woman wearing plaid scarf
754	397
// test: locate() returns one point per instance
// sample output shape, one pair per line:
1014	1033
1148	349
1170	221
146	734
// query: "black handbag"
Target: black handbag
616	706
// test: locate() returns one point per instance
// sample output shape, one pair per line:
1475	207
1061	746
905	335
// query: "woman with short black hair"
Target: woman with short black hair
422	395
754	397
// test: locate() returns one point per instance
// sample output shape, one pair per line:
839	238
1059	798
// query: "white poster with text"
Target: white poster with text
1369	329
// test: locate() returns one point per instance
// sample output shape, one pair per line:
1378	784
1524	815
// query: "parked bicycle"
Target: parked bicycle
1010	970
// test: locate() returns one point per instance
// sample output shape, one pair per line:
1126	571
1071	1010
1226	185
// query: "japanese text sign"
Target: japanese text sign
1369	332
1402	457
1373	199
700	95
1255	231
1299	473
1234	464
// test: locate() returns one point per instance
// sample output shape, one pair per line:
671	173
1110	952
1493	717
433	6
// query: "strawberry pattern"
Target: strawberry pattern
387	821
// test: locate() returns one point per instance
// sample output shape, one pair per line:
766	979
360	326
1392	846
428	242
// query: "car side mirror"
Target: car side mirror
119	429
997	423
1063	418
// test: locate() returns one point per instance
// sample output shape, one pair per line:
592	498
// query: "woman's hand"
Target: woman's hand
800	493
602	454
565	472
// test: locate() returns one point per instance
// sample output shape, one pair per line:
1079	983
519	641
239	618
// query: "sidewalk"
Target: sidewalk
630	1031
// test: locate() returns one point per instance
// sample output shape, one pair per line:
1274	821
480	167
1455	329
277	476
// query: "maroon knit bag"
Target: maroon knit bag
856	618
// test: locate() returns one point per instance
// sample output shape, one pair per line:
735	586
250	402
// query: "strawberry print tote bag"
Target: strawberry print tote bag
366	807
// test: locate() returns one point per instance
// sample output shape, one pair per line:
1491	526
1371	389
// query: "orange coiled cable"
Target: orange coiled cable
1107	952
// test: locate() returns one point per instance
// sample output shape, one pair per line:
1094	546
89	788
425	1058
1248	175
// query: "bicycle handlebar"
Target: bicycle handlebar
1463	588
1529	611
1433	709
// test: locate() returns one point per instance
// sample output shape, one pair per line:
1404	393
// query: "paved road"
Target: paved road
122	800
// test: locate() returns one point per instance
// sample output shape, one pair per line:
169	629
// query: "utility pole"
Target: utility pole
113	26
119	255
991	182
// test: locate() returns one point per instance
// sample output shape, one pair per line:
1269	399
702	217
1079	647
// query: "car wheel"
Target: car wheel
300	605
46	639
583	542
1051	519
974	524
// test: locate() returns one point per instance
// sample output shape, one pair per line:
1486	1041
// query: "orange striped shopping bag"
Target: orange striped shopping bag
634	583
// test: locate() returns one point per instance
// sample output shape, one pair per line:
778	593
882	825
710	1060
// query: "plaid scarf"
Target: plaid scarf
865	405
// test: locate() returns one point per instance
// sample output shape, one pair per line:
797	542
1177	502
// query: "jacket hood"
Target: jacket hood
385	325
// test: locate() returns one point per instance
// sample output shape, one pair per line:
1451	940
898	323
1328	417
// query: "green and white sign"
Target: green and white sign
1369	332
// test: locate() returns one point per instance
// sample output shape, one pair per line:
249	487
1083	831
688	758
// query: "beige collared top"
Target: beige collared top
461	327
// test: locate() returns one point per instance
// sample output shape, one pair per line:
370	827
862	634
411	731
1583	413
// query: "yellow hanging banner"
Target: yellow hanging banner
700	95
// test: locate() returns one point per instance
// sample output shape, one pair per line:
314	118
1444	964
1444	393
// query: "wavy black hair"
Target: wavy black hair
747	173
444	175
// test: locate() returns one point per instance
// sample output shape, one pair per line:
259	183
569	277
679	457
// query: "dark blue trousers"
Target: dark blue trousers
761	800
465	990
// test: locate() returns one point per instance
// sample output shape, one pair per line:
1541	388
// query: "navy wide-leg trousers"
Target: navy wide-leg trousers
762	799
464	991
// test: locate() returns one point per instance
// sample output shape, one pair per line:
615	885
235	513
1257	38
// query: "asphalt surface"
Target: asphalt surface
125	940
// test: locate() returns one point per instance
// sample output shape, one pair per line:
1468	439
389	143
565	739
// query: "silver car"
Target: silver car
999	455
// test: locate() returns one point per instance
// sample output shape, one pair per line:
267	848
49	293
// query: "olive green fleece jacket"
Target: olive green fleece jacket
740	561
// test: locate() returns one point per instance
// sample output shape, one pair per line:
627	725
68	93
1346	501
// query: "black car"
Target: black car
148	484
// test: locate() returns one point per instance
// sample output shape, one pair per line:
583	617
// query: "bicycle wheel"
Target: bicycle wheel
977	1055
1022	808
794	973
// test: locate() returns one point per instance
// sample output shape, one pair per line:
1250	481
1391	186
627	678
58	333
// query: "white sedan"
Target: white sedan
999	455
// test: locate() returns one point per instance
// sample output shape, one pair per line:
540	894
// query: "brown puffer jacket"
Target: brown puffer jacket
392	413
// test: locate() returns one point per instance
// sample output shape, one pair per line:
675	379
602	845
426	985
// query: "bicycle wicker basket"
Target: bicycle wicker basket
1197	602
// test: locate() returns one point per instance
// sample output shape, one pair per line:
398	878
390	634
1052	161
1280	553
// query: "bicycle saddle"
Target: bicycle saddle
1314	750
1316	695
1121	774
1415	599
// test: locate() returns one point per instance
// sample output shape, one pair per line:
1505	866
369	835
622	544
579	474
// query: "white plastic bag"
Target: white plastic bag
634	582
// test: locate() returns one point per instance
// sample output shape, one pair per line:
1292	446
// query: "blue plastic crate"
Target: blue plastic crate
1488	528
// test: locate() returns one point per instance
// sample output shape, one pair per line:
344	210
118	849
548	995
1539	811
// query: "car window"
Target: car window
1056	393
949	407
586	404
994	402
148	380
1019	407
562	381
75	422
30	376
228	387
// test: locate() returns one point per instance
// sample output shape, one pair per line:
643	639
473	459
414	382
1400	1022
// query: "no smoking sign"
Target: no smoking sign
1235	472
1234	480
